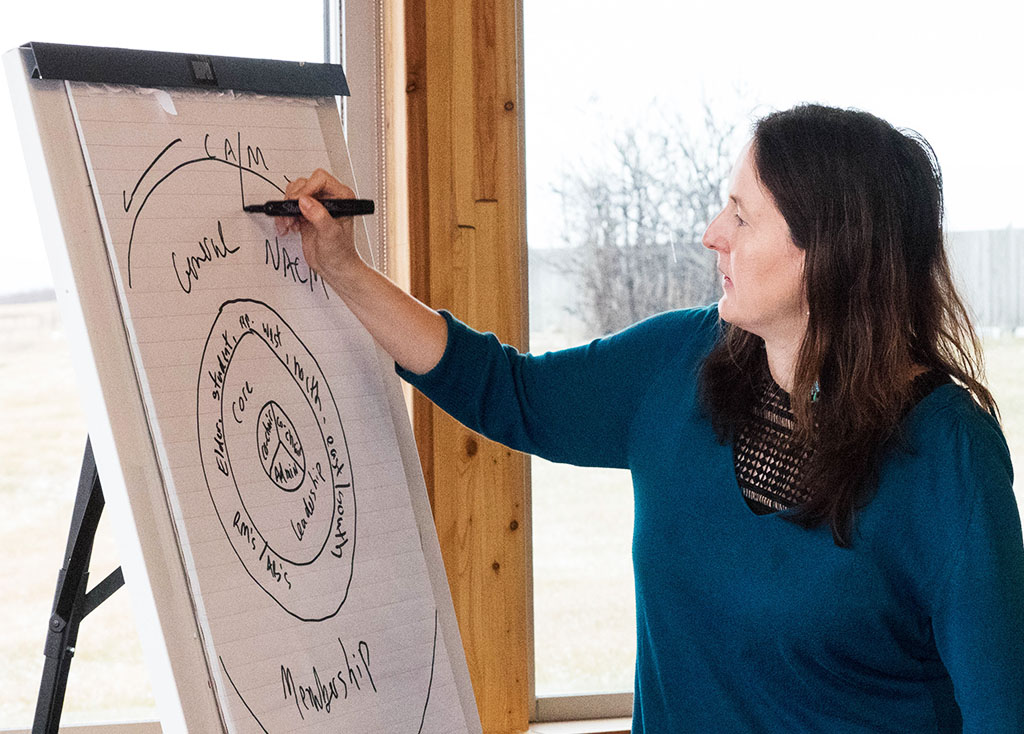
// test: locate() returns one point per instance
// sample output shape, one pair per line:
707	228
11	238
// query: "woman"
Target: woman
826	538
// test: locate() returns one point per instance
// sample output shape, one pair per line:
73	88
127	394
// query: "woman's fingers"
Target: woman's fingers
319	185
316	214
286	225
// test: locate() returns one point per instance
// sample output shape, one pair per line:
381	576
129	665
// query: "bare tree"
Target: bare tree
635	223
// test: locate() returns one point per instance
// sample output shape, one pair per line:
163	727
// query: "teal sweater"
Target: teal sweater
750	623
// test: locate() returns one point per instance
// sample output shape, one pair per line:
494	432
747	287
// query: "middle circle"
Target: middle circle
279	456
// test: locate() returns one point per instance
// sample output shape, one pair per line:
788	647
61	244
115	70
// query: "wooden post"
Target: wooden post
467	251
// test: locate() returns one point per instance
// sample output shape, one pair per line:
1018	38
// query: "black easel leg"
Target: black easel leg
71	603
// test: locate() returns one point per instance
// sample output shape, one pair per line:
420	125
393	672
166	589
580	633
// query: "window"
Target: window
633	121
42	429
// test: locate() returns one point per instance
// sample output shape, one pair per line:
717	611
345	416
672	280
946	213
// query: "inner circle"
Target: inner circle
279	448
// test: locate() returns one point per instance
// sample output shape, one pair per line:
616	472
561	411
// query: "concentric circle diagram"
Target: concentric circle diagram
276	461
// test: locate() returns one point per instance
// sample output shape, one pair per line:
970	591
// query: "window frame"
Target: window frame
462	231
455	186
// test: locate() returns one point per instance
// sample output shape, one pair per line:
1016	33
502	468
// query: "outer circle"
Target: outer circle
305	590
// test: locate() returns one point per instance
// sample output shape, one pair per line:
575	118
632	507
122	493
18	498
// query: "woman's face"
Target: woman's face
762	270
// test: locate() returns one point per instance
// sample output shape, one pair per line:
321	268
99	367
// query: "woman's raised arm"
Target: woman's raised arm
412	333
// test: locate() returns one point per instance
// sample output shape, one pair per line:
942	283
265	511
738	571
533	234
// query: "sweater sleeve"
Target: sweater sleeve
574	405
978	616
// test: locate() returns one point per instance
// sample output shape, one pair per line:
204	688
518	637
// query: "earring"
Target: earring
815	392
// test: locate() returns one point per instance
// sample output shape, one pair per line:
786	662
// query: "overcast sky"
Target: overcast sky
250	28
953	72
596	67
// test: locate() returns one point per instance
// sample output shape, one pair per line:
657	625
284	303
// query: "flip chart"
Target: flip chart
267	405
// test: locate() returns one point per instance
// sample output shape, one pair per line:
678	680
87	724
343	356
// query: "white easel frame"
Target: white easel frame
125	455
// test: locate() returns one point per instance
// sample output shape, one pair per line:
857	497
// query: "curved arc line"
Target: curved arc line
433	657
128	203
430	683
239	694
167	175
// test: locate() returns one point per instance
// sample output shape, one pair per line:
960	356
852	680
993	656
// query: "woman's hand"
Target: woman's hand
327	243
413	334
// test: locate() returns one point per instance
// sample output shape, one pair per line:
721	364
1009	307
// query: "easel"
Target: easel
191	681
71	602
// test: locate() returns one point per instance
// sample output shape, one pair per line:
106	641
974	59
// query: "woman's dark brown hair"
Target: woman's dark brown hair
863	200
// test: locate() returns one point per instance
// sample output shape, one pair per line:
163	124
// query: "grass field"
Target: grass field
42	436
582	523
1004	358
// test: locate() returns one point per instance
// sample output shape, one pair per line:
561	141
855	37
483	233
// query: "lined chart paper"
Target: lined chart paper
269	414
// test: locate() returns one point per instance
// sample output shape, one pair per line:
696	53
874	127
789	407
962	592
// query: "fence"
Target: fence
989	270
988	267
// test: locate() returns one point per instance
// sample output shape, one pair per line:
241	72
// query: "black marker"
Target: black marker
335	207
